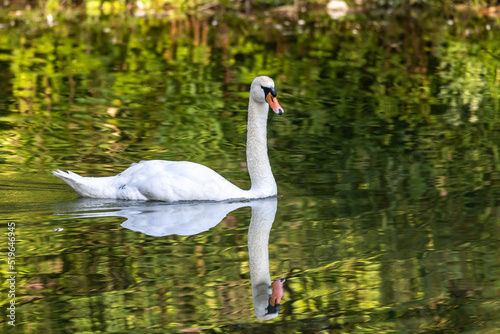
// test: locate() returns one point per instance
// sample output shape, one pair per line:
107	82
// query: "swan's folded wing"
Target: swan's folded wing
176	181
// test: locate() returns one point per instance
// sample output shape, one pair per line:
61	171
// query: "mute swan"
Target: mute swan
174	181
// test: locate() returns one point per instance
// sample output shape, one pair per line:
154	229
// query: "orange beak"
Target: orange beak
273	102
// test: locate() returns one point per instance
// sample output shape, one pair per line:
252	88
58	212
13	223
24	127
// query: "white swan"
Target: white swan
174	181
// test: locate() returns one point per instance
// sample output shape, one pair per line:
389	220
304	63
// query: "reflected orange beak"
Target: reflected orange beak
278	291
273	102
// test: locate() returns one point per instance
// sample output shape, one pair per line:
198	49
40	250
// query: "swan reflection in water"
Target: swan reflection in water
161	219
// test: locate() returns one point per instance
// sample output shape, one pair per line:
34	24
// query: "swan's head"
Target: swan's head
262	90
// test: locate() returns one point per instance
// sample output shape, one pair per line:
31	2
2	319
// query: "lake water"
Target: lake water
387	162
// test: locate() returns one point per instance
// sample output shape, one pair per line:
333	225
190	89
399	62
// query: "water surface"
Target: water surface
386	159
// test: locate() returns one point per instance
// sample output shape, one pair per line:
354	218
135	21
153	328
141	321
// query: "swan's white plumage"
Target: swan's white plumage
174	181
157	180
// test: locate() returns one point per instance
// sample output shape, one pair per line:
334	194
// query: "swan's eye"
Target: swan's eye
268	90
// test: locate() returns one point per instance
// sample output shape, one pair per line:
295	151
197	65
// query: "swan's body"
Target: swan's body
174	181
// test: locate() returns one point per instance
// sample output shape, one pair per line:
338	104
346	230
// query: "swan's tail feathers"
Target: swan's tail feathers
68	177
84	186
72	179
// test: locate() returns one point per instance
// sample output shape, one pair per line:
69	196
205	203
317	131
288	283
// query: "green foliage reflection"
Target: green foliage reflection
389	140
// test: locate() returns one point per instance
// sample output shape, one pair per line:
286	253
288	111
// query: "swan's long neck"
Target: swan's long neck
259	168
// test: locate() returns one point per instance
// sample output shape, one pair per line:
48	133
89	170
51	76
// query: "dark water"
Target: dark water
387	163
